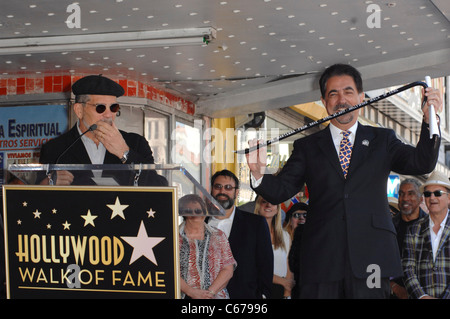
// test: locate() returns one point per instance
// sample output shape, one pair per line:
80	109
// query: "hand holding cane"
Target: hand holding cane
337	114
434	130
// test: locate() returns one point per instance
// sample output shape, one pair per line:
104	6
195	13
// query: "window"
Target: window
187	149
157	132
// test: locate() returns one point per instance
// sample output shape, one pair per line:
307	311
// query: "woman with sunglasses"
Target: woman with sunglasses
95	138
295	216
206	261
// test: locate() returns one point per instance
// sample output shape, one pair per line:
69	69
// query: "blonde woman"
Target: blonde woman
281	242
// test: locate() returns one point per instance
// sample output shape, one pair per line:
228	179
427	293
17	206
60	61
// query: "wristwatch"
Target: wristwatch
124	157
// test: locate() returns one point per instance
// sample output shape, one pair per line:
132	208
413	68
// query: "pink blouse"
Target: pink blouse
202	260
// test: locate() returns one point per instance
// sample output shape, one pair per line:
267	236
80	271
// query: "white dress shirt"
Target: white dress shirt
436	238
96	153
223	224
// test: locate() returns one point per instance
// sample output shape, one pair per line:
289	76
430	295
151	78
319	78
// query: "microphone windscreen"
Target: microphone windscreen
93	127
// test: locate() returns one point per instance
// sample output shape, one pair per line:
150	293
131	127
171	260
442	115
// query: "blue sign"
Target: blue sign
393	185
23	130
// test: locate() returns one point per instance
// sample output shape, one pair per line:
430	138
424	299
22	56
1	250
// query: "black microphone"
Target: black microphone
92	128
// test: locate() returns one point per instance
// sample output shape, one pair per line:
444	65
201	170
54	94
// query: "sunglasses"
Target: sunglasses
189	211
227	187
100	108
436	193
298	215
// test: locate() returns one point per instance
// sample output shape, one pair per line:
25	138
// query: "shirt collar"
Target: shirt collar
335	130
337	136
444	221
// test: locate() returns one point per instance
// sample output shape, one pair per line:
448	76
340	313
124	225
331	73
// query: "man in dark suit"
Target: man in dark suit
349	240
96	104
249	238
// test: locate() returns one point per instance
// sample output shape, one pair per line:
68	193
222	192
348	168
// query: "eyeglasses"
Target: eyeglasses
190	211
100	108
227	187
298	215
436	193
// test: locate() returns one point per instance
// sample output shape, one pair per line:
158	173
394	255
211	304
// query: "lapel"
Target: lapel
445	234
235	228
363	142
424	233
326	145
77	151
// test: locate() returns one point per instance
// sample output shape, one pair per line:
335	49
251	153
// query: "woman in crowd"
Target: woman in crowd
281	241
206	261
300	211
295	216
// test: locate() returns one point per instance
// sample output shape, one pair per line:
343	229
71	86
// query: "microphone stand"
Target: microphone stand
332	116
91	128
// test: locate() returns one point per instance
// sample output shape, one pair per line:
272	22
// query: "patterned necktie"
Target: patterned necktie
345	152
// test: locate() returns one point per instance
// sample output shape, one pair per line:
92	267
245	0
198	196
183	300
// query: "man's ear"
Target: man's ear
78	109
361	97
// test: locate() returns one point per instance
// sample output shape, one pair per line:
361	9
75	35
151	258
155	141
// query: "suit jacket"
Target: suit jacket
140	152
349	216
422	274
401	226
252	249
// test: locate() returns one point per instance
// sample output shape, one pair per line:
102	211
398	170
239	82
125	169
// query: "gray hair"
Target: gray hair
83	98
413	182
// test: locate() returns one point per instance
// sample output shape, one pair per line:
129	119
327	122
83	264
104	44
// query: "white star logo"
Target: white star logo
37	214
66	225
143	245
151	213
117	209
89	219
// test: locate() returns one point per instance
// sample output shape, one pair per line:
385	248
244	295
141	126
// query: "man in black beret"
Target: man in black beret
95	138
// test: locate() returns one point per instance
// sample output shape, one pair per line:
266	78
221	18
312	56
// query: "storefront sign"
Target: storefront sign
23	130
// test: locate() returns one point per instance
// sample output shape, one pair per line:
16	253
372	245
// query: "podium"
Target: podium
113	233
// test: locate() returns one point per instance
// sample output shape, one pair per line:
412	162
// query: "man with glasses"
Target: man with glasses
95	139
249	238
426	254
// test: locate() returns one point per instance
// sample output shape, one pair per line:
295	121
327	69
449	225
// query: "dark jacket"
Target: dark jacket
140	152
349	215
252	249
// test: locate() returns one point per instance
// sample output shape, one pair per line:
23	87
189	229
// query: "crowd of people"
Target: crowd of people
273	269
322	249
349	230
256	244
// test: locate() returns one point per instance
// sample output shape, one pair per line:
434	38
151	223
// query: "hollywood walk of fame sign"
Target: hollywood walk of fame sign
91	242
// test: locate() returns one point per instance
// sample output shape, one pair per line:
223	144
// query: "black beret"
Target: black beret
97	85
